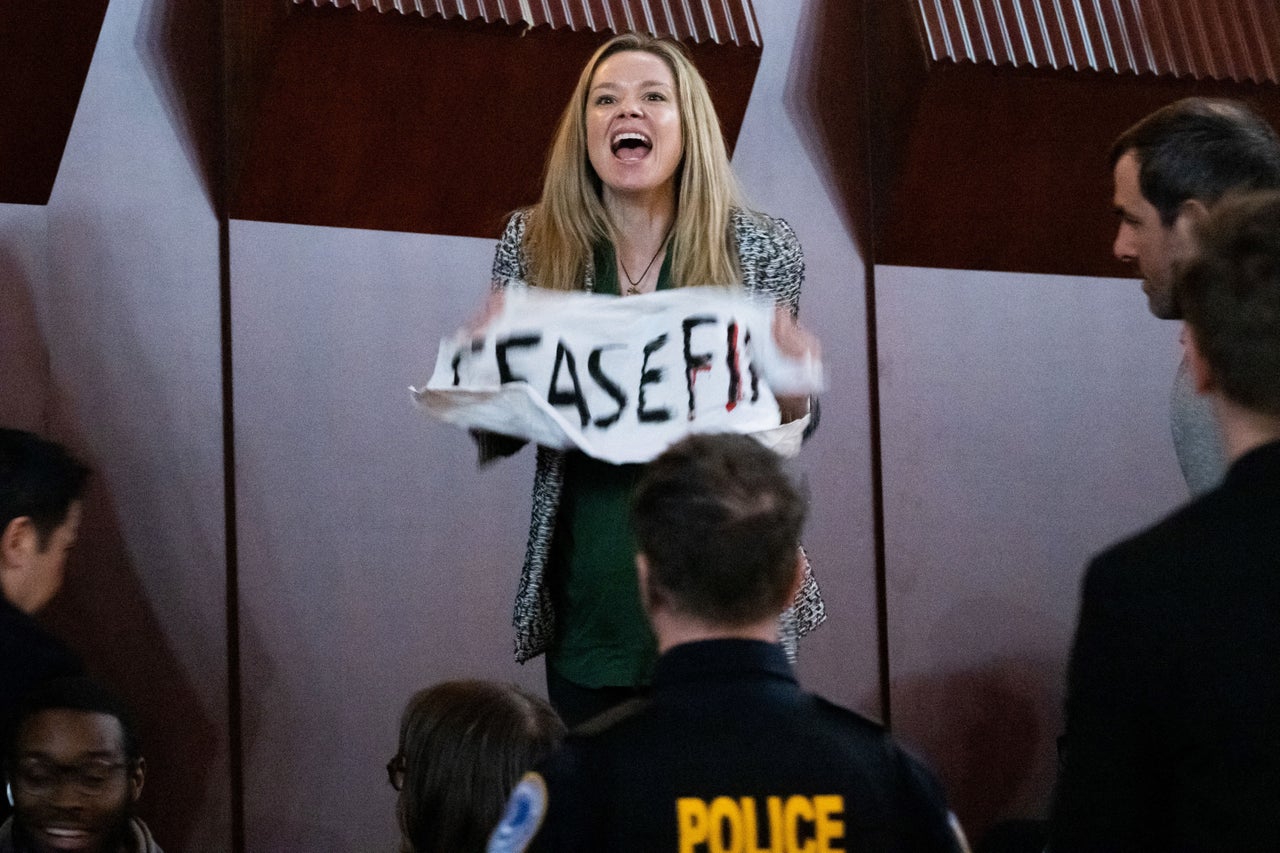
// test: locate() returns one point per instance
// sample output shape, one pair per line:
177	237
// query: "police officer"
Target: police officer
726	753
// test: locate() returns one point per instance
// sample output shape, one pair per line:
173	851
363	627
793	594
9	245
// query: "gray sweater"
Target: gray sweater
1196	437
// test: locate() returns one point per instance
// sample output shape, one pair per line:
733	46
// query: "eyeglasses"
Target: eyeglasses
395	771
41	778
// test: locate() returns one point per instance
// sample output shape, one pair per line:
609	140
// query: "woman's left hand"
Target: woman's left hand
795	342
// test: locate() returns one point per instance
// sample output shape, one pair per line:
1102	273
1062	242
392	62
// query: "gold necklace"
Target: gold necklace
633	286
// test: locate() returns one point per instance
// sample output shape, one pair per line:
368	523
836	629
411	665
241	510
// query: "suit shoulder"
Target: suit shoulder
1161	551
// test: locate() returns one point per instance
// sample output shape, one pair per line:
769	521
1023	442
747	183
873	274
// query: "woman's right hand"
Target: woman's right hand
490	308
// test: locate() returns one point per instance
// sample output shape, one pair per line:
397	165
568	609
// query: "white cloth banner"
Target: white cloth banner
621	379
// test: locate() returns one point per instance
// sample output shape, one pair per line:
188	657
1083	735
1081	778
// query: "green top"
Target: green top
602	636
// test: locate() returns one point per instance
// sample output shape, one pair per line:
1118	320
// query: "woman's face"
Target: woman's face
633	124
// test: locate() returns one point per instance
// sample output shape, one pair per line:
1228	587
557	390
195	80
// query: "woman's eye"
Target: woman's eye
604	100
655	96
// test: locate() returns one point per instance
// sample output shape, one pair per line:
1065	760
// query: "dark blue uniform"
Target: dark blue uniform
728	754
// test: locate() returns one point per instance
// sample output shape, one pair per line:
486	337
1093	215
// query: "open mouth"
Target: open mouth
630	146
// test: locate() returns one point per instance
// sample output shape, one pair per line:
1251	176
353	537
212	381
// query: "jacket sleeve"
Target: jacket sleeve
1105	788
508	266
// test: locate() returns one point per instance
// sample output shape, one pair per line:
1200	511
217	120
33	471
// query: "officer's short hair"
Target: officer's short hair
1230	295
1200	148
719	522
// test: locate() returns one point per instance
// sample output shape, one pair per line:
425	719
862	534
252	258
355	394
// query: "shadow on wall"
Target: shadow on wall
180	44
981	729
826	100
103	613
24	361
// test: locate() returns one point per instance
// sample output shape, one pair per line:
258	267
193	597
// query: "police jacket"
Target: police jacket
728	754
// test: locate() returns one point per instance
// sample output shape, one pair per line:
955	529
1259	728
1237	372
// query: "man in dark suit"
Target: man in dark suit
1173	703
40	485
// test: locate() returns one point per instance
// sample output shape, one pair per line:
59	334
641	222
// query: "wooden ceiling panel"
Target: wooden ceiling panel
994	118
45	50
418	115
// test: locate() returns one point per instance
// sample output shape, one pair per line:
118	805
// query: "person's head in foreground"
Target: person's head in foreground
40	486
717	524
1170	169
640	132
1230	296
74	772
463	746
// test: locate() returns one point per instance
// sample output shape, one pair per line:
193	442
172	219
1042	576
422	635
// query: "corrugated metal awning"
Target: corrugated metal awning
719	21
1235	40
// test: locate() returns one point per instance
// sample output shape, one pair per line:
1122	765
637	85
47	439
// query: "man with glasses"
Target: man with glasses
73	773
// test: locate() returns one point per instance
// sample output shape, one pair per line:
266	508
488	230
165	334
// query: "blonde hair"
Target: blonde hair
570	218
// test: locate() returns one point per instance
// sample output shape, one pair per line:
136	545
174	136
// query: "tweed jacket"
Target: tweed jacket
772	262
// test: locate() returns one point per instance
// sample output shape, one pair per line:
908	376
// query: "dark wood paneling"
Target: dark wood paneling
403	123
1000	167
45	49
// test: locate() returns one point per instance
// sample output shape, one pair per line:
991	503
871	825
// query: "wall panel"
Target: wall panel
375	559
127	313
1025	427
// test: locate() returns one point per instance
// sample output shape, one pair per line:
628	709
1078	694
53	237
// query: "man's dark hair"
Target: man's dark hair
719	521
465	745
39	479
1200	148
1230	296
74	693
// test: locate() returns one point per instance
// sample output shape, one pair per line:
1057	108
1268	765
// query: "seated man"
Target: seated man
40	485
1173	693
73	773
726	753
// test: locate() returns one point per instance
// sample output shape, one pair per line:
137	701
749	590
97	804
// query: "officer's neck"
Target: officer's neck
673	628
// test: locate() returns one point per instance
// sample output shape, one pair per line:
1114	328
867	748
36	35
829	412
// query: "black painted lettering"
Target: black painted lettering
555	396
500	350
607	385
649	377
694	363
751	369
735	369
